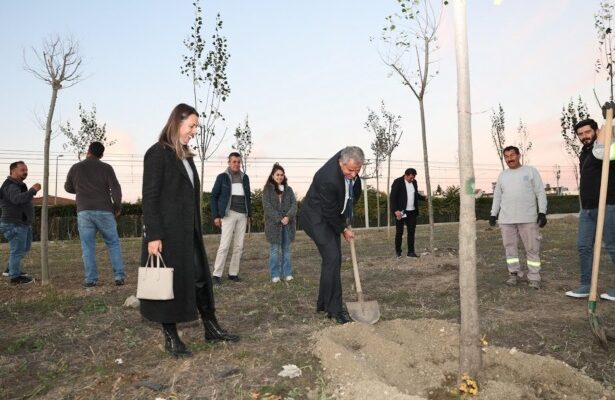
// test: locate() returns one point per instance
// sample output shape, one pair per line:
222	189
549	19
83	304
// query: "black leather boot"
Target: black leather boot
215	333
172	342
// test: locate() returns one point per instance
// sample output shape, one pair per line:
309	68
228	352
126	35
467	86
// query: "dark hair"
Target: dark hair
270	181
234	154
97	149
509	148
15	165
410	171
593	124
170	133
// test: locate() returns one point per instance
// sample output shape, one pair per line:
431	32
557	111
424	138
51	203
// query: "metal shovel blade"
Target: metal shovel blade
367	312
597	327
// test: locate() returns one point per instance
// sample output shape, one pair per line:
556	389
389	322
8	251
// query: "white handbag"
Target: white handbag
155	282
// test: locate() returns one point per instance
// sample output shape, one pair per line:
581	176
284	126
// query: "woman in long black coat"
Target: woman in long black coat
172	227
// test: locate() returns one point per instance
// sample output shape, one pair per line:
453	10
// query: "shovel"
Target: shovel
361	311
595	322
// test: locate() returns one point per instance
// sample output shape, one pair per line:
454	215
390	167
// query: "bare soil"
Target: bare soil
61	341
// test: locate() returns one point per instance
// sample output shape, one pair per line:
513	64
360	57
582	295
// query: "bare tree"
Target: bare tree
572	114
557	171
524	142
388	134
470	358
498	126
413	43
243	143
365	175
90	131
58	64
207	71
602	22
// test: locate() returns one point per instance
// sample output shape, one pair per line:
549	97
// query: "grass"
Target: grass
61	341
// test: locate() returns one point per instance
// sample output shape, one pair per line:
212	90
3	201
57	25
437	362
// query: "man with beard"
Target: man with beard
514	202
17	219
590	167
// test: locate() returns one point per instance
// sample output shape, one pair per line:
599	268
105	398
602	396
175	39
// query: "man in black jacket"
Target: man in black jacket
17	218
405	207
326	214
590	163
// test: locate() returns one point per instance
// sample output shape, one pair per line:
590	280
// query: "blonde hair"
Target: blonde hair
170	133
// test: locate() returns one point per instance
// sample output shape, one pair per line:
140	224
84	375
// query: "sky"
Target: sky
305	75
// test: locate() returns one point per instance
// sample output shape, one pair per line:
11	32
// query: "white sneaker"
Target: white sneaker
275	280
289	278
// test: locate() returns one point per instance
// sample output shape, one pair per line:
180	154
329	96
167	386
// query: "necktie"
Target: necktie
348	209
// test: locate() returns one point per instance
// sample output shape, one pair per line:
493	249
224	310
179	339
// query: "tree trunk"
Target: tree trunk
389	198
45	207
378	194
427	179
365	202
469	349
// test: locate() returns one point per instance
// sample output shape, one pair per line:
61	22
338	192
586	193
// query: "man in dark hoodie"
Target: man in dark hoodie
17	218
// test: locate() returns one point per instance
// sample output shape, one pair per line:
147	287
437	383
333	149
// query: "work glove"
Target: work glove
606	106
492	220
542	220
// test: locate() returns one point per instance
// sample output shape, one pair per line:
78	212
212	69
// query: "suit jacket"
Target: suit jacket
172	213
324	201
399	195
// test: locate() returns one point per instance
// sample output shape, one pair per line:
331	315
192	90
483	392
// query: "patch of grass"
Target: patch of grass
51	301
94	306
25	344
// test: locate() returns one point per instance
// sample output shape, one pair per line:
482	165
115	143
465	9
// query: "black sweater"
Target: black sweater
16	201
591	171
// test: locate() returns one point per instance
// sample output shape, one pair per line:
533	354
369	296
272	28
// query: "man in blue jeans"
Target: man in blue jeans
590	162
99	201
17	218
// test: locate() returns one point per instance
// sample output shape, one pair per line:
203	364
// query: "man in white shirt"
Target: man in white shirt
514	201
404	204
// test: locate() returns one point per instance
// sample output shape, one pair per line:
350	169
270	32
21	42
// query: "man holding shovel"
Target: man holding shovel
325	216
590	166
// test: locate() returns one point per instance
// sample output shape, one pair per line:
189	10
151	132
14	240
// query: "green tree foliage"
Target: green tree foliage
243	143
89	131
498	126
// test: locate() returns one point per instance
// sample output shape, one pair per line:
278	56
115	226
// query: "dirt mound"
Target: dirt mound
418	359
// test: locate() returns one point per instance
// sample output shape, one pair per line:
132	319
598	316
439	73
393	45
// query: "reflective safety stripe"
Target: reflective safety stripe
533	263
513	260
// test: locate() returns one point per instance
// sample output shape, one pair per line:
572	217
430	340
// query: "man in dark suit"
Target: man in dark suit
404	203
325	215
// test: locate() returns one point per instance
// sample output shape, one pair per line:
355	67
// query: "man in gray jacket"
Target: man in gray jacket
514	200
17	218
99	202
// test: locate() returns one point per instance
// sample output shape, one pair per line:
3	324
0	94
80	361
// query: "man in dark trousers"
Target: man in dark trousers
17	219
404	203
326	214
99	202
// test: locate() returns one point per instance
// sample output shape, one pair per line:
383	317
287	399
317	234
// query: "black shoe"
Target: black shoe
217	280
413	255
234	278
22	280
398	255
341	318
172	343
119	282
89	284
215	333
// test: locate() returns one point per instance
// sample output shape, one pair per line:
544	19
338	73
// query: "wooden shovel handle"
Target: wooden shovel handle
604	183
355	270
